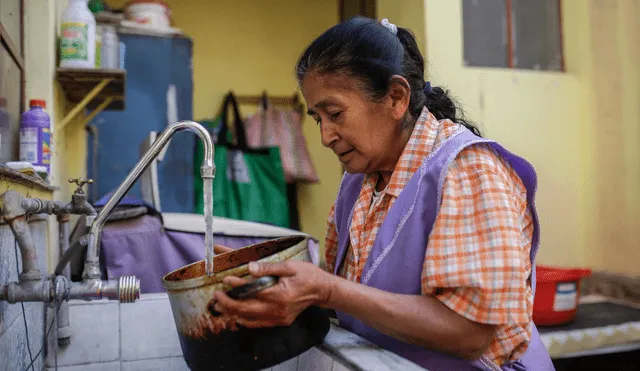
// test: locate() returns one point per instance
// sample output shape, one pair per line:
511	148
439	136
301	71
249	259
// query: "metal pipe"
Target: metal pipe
38	206
207	170
14	204
93	188
62	321
15	207
125	289
30	290
30	270
32	287
13	211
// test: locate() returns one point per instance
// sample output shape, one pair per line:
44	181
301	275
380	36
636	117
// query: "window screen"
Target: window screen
536	34
11	78
10	101
522	34
10	20
484	25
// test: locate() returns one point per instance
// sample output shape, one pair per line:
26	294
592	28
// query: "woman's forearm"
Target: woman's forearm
415	319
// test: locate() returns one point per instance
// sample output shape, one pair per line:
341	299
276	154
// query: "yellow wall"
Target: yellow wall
250	46
71	146
520	109
578	128
40	27
613	172
410	15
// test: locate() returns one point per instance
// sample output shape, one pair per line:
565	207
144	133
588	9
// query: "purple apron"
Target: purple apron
396	259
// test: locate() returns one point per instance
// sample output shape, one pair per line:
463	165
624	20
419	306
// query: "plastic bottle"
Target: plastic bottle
35	136
78	39
110	47
6	139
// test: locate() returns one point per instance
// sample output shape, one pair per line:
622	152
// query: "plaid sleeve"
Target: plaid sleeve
477	259
331	241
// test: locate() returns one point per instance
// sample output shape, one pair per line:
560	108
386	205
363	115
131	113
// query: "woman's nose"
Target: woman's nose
328	134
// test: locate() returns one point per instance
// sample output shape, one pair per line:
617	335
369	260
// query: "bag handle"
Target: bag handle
240	135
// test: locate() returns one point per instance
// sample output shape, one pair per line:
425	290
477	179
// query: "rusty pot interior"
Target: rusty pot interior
235	258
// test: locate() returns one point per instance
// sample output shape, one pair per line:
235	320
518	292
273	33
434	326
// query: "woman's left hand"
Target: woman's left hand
300	285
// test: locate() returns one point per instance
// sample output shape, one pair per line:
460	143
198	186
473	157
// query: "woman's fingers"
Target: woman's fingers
219	249
234	281
241	308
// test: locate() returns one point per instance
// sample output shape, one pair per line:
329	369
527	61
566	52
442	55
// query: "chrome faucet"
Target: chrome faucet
32	286
207	170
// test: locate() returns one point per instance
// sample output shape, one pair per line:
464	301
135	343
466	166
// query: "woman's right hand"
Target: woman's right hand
219	249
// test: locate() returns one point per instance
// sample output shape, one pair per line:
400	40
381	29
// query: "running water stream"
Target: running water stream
208	222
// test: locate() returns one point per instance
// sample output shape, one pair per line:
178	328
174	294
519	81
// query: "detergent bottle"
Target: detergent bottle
35	136
78	37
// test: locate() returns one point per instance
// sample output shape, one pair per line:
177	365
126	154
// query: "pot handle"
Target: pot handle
251	288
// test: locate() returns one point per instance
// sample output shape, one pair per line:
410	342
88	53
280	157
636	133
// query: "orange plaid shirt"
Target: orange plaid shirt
477	258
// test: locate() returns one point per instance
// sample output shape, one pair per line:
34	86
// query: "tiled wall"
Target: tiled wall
14	354
108	336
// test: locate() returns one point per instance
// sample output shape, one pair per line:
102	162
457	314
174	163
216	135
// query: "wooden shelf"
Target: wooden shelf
15	177
95	89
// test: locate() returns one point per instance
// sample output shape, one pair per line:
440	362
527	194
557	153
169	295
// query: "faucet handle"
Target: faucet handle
80	181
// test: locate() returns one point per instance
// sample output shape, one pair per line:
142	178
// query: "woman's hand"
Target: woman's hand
300	285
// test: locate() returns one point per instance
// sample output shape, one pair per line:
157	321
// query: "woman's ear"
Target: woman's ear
400	94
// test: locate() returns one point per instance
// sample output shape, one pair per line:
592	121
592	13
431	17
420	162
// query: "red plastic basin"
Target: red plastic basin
557	294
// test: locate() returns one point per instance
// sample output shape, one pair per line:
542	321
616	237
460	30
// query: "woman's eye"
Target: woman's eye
317	120
335	116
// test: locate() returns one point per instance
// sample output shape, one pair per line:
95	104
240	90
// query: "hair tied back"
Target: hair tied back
427	88
390	26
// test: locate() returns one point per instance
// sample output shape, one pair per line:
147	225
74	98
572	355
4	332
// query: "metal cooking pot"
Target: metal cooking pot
211	341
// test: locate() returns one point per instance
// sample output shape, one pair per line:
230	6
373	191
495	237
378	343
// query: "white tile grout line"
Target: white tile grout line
151	359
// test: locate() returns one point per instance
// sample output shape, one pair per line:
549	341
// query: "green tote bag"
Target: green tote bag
249	183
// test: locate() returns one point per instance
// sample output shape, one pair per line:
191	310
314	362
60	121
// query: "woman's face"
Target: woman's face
365	135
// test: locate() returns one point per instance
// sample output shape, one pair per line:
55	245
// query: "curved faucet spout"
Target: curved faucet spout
91	268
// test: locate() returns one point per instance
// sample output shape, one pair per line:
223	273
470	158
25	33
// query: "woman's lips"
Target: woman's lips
343	155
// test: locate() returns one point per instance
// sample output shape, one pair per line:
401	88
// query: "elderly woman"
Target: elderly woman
432	239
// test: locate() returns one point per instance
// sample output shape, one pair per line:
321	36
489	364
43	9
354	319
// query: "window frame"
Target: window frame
510	38
8	44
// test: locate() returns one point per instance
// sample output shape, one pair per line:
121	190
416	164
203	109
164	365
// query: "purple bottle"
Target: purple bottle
35	136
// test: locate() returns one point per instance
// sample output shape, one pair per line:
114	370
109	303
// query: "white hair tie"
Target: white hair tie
390	26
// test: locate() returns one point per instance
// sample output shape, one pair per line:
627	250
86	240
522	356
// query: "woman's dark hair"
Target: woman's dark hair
366	50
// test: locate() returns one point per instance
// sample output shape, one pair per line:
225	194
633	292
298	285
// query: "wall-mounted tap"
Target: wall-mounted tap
32	286
14	208
79	204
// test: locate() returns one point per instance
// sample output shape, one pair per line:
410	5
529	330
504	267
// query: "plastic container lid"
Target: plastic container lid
557	274
96	6
37	103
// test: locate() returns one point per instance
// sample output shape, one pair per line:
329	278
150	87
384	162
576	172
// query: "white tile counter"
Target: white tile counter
108	336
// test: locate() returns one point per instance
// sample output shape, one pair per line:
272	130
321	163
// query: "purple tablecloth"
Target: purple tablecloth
143	247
